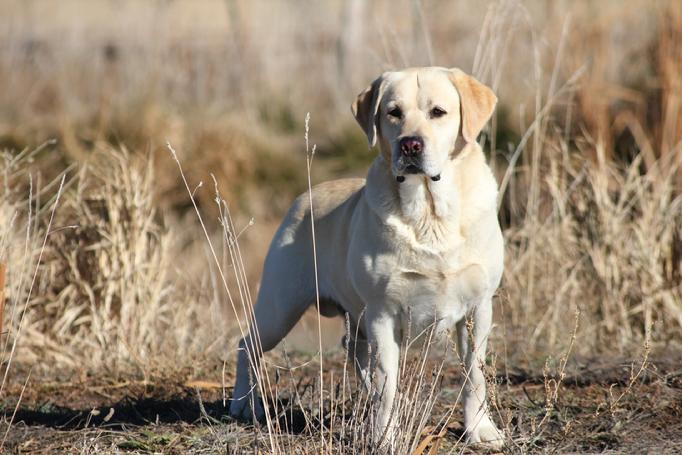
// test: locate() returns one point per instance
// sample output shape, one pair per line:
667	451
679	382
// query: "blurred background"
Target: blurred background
585	143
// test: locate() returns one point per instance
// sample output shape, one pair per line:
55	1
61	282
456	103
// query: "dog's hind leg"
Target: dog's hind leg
276	311
357	350
358	353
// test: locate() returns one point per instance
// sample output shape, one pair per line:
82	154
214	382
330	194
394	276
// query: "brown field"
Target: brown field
118	329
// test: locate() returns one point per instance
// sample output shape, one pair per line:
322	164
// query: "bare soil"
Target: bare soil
180	414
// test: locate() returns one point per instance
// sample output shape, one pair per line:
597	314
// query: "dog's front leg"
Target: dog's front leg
383	339
472	347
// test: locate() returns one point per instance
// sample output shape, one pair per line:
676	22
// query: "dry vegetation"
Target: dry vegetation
119	323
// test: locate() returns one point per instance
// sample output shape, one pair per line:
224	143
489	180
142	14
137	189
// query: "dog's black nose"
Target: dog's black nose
412	146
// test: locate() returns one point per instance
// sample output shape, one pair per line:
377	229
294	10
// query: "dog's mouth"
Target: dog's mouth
412	169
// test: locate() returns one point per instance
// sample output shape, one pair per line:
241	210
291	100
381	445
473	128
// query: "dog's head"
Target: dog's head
417	116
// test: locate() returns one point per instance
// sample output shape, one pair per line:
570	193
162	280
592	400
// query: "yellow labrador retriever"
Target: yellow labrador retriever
417	242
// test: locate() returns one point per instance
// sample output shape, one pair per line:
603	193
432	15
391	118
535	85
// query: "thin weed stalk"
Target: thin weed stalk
309	155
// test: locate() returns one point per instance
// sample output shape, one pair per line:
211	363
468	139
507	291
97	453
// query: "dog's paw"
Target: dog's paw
486	433
243	410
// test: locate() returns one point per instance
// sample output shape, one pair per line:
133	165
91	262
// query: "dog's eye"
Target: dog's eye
395	112
437	112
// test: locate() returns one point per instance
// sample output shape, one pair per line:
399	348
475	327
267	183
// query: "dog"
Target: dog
416	243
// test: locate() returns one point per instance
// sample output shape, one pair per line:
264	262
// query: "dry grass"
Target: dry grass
110	279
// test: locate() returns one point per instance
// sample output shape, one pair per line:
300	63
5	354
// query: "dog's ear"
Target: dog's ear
366	109
477	103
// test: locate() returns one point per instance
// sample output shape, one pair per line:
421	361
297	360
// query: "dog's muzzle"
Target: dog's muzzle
411	155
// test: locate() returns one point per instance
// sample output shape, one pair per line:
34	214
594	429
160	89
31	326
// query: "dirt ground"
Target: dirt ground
180	414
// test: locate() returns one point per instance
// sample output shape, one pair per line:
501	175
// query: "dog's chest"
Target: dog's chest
434	292
423	275
426	289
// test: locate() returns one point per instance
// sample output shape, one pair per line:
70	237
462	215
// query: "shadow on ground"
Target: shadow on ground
145	411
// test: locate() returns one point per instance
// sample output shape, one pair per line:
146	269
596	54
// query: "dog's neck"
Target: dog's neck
422	200
432	210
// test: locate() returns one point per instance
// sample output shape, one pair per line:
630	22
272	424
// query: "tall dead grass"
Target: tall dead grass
106	290
607	244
